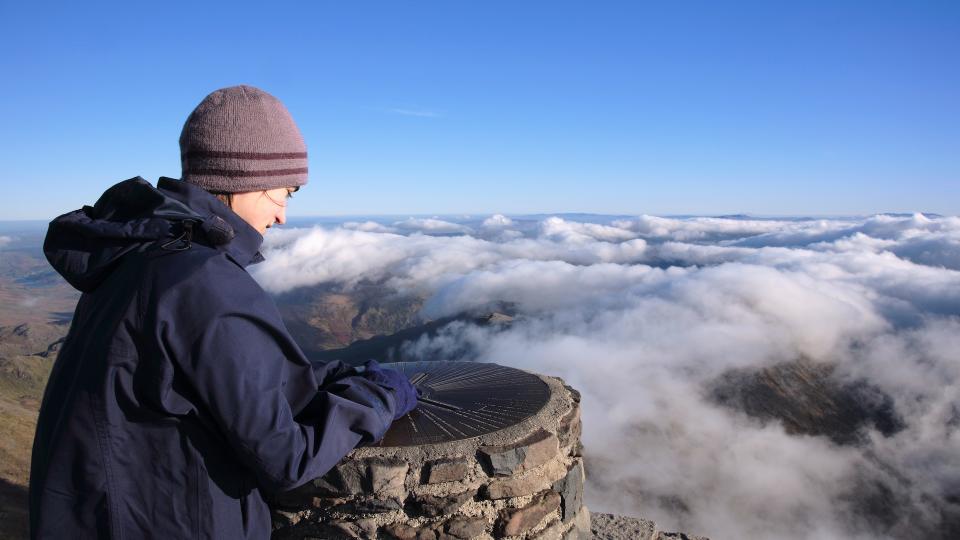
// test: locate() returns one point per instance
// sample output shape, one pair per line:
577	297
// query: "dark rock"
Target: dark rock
570	488
569	427
345	530
580	529
427	534
281	518
330	485
574	394
501	462
530	452
436	505
677	536
514	487
399	531
515	521
463	528
327	531
367	527
303	497
551	532
446	470
527	484
371	505
323	503
387	476
348	478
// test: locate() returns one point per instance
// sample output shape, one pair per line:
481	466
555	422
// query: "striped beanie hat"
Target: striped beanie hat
242	139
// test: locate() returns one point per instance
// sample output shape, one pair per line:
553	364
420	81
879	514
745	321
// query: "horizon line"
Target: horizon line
462	215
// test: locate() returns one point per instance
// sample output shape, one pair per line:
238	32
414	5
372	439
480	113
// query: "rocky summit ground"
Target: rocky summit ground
613	527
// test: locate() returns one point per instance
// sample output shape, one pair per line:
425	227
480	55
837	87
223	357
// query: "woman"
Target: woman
179	401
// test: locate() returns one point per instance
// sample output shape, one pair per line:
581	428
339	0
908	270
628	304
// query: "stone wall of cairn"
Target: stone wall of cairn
525	481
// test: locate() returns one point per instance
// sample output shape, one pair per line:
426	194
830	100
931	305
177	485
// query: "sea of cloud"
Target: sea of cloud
643	314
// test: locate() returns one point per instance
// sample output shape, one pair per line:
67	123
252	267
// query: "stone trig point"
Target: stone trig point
490	452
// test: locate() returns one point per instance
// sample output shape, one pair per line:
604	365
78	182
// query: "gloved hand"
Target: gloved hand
405	395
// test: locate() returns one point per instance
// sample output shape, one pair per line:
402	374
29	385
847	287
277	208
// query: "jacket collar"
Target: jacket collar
245	246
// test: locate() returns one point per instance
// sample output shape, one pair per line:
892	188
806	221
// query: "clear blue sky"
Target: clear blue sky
475	107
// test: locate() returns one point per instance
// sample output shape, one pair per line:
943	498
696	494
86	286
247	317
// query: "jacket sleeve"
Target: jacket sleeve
283	423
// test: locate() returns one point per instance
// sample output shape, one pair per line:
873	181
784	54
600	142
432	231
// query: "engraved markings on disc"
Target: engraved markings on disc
459	400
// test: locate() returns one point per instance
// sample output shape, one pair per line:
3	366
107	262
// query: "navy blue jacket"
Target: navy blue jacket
179	401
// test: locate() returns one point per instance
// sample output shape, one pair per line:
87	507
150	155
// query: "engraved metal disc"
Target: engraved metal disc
459	400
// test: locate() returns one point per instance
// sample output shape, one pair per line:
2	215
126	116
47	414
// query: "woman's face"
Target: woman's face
261	209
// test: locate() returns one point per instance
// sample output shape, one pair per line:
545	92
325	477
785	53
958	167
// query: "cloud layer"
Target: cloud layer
644	314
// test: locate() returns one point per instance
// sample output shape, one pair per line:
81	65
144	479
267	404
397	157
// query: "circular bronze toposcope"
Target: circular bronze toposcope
489	452
459	400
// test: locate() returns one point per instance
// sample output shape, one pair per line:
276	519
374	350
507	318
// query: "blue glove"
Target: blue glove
404	394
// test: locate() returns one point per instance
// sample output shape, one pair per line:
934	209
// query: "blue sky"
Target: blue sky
794	108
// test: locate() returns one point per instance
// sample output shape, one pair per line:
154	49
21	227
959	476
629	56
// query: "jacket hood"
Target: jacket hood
85	245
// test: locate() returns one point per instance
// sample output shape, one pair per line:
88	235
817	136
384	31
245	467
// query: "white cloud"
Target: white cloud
642	315
431	226
708	229
577	232
497	221
368	226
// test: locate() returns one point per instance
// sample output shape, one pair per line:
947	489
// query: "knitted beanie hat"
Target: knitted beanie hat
242	139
